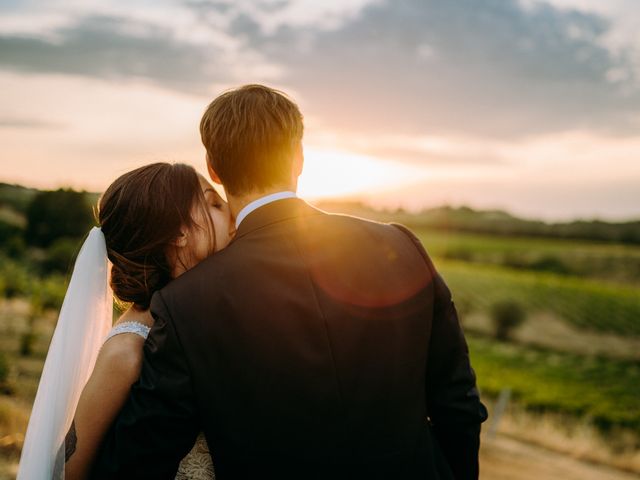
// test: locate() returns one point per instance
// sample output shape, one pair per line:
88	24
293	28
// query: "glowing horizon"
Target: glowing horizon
540	128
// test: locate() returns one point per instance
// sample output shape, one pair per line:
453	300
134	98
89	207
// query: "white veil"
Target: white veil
85	319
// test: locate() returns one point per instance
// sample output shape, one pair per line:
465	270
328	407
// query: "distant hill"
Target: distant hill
56	211
494	222
14	200
16	197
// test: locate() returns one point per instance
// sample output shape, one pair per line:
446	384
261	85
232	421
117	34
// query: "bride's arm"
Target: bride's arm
117	368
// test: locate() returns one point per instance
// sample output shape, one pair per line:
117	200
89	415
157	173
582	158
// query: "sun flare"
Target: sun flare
333	173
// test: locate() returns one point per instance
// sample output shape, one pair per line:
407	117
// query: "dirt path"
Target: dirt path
503	458
500	459
548	331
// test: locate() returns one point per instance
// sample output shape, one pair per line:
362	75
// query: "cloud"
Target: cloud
269	15
486	68
20	122
426	158
490	68
422	151
114	48
181	45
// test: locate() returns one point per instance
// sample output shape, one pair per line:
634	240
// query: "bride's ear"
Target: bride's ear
181	240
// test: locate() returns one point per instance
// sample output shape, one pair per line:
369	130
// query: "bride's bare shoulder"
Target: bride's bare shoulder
121	354
138	316
121	357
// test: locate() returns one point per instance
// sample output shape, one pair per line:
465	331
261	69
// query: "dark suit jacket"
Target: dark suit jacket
313	346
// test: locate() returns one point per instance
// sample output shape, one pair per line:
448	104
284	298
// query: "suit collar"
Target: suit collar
274	212
261	202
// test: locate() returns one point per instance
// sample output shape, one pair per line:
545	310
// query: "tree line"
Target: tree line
43	229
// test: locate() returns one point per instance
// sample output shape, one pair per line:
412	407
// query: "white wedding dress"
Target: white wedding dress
84	324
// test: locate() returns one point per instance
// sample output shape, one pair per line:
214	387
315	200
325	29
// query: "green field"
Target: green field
584	303
611	262
591	286
603	390
606	305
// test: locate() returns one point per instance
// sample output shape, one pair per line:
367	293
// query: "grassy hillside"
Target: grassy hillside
587	259
606	391
494	222
584	276
583	303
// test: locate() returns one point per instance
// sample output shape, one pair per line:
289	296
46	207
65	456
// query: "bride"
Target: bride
156	222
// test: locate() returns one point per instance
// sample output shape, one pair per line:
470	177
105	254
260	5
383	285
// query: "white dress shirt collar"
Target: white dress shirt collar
261	202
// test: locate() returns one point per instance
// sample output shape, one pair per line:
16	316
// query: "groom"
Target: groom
313	346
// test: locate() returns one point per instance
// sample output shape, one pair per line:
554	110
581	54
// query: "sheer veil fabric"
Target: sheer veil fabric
84	321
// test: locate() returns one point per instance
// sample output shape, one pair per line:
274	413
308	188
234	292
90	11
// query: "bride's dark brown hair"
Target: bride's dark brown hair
141	214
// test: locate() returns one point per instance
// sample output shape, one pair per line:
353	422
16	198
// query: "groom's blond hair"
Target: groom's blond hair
251	134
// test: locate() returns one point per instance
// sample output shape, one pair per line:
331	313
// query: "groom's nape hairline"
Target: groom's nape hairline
251	134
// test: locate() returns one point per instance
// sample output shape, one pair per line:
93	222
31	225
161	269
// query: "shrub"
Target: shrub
15	279
4	369
14	416
49	292
458	253
59	255
506	315
11	241
550	263
15	247
9	230
27	342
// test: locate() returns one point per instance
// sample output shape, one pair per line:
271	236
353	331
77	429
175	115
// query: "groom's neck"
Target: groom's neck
238	202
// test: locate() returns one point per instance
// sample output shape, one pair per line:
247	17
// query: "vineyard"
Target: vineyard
605	391
585	303
482	271
590	288
604	261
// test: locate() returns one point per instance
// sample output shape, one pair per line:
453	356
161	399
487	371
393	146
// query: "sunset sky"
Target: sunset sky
532	106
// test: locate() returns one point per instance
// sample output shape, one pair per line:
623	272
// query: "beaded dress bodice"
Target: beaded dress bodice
129	327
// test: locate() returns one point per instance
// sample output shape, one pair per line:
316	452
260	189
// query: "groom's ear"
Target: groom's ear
212	173
298	161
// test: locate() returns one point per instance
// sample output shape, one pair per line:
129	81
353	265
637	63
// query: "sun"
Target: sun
333	173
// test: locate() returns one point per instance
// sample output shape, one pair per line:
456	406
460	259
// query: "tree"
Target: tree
62	213
60	255
506	315
11	241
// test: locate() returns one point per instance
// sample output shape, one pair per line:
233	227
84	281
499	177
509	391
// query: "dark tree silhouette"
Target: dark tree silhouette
58	214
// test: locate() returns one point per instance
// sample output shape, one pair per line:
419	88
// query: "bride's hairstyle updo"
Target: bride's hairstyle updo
141	215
